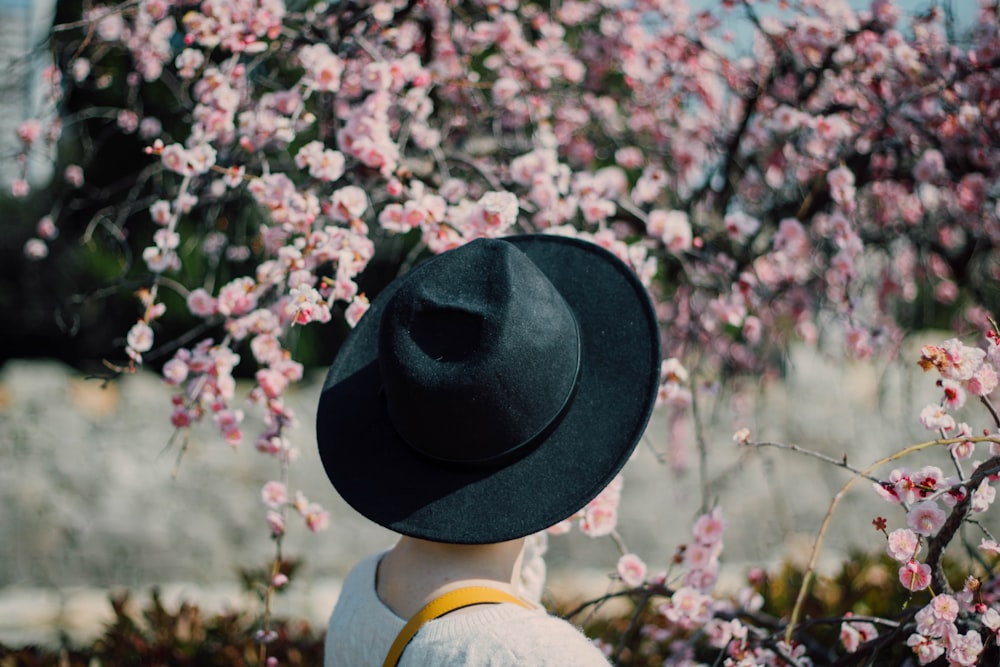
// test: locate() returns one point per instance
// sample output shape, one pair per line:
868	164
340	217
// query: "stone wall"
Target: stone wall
94	498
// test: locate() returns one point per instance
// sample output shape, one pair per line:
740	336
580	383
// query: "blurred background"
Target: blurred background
98	497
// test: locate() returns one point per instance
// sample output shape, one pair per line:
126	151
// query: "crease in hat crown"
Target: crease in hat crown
479	355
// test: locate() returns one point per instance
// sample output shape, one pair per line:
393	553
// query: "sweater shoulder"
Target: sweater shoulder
502	636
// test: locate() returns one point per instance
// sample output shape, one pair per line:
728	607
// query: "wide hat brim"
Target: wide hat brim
390	483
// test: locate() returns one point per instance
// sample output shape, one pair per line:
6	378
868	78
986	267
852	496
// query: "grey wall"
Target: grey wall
90	501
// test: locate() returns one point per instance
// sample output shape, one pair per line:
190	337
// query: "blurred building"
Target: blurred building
23	27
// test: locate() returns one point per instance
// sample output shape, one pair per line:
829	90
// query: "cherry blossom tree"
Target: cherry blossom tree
772	171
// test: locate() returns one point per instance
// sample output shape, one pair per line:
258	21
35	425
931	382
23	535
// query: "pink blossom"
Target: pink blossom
160	212
791	238
80	68
902	545
945	607
927	650
561	528
672	227
307	305
632	570
324	164
708	528
46	229
887	492
201	158
599	520
946	291
159	260
901	485
720	632
687	607
74	175
855	633
841	182
926	518
175	158
704	578
991	619
915	576
964	649
271	382
237	297
970	192
317	518
930	624
35	249
359	306
266	349
963	450
166	239
175	371
140	337
983	381
953	359
629	157
700	556
922	483
753	329
596	210
983	496
188	61
227	419
740	226
930	167
201	303
180	417
274	494
672	370
273	445
19	188
935	418
989	545
276	522
954	394
494	214
323	68
29	131
348	202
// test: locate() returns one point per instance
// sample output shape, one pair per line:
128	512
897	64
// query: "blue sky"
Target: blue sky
964	12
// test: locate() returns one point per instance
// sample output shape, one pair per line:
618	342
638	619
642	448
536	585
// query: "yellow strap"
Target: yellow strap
441	605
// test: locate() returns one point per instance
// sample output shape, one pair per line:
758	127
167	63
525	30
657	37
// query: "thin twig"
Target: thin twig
840	463
699	437
633	623
84	23
650	589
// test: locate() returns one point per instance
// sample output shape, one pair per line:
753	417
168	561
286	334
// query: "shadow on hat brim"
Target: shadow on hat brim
388	482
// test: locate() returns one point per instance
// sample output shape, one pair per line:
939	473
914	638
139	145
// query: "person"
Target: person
487	394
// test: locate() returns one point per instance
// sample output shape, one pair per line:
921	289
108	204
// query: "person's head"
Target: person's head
492	391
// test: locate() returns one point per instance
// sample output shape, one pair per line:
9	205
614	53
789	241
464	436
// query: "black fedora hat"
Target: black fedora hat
492	391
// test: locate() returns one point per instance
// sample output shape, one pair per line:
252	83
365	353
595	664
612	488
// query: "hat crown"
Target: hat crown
478	354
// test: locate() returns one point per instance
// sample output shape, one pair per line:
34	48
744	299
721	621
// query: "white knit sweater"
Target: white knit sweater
362	628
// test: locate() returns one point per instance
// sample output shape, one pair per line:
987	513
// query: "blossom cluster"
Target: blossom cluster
836	176
938	635
276	498
606	123
599	517
693	613
931	498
